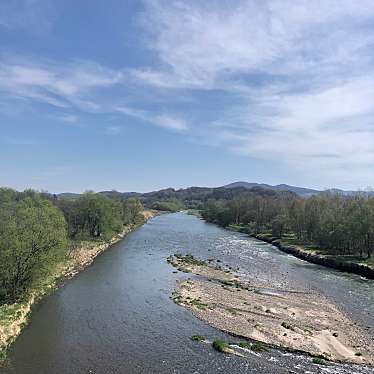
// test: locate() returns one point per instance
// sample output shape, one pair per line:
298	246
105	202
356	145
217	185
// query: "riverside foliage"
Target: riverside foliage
337	224
36	231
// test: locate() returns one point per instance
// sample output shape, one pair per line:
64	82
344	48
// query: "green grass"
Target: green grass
245	345
3	355
198	304
318	361
9	313
255	347
189	259
198	338
258	347
220	345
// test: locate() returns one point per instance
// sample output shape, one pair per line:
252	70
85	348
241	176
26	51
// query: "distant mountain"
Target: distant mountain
301	191
225	192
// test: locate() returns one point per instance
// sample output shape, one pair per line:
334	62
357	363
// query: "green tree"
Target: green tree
32	240
131	211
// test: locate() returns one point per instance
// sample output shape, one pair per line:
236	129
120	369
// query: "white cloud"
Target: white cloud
166	121
62	85
290	80
203	44
298	77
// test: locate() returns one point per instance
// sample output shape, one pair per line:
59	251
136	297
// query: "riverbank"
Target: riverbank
294	319
14	317
349	264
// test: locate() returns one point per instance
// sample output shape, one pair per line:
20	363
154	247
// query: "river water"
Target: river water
117	315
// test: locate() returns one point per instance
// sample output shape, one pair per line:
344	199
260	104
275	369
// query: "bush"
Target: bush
198	338
220	346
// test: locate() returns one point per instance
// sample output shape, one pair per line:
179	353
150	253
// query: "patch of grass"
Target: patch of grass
189	259
178	299
319	361
258	347
198	304
198	338
3	356
255	347
221	346
245	345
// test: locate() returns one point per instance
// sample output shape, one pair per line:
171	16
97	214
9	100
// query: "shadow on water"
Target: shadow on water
117	315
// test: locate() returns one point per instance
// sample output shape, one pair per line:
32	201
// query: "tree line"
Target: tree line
36	231
335	223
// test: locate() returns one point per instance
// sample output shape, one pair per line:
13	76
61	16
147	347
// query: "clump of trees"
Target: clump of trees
338	224
36	230
96	216
172	205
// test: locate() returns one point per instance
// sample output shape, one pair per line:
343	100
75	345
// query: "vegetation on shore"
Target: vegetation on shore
330	224
43	238
172	205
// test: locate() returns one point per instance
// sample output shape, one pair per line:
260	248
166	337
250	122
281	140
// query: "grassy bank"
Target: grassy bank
14	317
312	253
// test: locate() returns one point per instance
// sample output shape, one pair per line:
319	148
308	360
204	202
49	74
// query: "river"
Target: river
117	315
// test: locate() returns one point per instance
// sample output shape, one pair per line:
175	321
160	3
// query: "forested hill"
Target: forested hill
195	197
191	198
191	194
301	191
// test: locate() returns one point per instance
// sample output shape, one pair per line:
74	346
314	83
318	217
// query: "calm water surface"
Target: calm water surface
117	316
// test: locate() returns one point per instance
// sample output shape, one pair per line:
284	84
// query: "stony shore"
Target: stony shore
306	254
296	320
320	259
14	317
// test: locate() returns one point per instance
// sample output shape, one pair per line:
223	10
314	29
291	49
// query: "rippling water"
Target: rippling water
117	316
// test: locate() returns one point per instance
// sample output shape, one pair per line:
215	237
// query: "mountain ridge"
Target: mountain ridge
302	191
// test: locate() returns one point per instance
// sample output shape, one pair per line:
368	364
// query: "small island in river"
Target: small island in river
298	320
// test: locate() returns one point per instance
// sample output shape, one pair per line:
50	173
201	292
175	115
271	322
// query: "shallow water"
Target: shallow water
117	315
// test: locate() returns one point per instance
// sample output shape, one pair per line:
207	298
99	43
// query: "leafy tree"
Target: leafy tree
131	211
172	205
32	240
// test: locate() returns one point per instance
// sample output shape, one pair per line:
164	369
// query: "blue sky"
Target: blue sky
141	95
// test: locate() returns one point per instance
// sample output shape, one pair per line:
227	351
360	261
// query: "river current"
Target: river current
117	315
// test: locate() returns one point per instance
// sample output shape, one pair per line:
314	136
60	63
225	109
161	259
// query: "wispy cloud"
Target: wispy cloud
290	81
75	86
202	45
298	76
62	85
166	121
